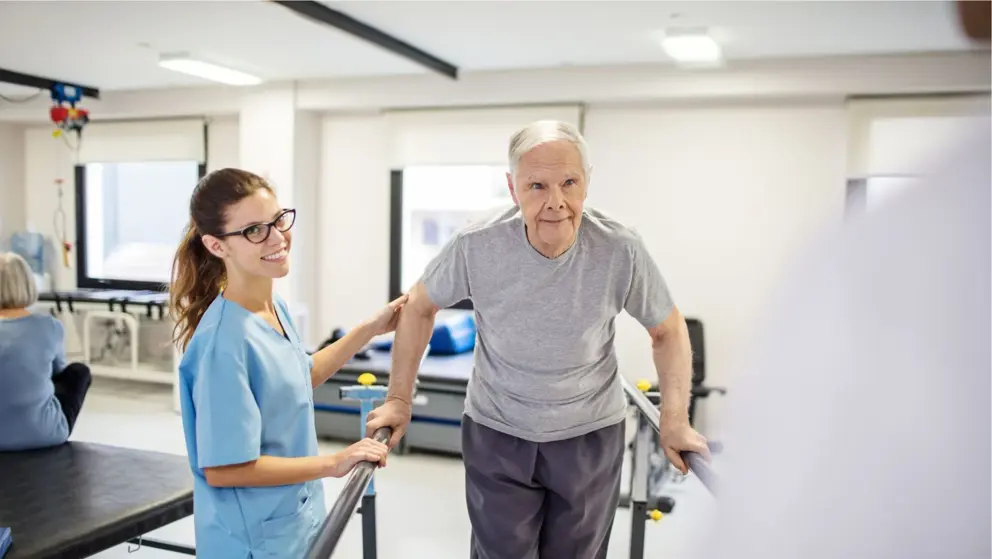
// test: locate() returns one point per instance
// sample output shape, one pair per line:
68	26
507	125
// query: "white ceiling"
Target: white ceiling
115	45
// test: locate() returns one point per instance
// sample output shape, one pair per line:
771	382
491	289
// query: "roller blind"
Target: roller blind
904	137
462	136
166	140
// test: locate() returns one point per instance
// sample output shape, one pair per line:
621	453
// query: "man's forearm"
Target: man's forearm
673	362
329	360
413	333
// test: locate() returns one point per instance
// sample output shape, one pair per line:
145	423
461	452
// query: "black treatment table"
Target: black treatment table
155	304
78	499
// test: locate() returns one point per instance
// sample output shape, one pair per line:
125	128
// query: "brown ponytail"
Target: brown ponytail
197	275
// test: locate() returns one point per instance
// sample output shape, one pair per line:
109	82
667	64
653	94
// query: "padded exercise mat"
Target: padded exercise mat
78	499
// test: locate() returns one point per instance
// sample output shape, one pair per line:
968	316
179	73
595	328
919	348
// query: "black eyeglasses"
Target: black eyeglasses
259	233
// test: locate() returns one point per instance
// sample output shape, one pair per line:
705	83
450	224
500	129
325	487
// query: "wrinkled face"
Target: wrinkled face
549	187
259	250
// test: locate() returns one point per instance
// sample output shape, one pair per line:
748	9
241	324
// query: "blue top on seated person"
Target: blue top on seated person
246	392
31	352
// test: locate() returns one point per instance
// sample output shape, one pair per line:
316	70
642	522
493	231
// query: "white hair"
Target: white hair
17	287
542	132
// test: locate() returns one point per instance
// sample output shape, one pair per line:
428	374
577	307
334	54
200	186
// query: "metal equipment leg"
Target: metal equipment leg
366	394
165	546
369	540
639	488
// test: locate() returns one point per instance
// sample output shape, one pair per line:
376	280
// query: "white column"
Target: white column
45	160
281	143
13	194
354	229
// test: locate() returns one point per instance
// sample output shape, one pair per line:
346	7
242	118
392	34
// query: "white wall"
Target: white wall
223	143
904	136
358	152
46	159
12	191
748	80
725	173
463	136
723	196
354	221
306	242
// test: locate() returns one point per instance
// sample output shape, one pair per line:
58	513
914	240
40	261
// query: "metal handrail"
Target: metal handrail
697	464
344	507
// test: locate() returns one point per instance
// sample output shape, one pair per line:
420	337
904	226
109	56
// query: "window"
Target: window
871	193
130	218
430	203
880	190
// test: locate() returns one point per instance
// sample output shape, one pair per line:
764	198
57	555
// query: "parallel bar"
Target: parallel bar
329	16
333	526
27	80
652	414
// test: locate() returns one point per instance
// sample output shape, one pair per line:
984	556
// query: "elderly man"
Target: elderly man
543	433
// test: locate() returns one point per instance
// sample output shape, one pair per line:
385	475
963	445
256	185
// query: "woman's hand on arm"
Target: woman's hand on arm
276	470
414	333
327	361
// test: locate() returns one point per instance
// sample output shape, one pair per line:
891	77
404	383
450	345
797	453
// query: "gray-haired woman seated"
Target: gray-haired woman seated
40	395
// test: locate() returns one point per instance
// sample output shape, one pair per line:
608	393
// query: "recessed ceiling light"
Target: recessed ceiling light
206	70
692	48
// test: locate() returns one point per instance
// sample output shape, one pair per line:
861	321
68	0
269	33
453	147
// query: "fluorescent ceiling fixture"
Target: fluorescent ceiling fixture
692	48
207	71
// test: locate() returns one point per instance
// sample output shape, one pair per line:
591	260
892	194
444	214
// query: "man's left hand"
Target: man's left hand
678	436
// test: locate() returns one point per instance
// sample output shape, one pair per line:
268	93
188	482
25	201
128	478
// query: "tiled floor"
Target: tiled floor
420	503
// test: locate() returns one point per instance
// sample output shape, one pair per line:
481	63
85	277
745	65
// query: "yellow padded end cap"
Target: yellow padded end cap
655	515
643	385
366	379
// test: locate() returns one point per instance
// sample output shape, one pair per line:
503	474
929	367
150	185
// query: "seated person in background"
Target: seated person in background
40	396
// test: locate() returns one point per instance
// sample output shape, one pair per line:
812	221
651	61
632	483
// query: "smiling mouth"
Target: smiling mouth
555	221
277	256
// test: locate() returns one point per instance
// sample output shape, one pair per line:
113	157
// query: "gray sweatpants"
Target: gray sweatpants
553	500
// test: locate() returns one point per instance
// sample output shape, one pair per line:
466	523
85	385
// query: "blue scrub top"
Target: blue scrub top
246	392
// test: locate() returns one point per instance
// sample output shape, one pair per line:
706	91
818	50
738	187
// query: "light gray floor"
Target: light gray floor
420	503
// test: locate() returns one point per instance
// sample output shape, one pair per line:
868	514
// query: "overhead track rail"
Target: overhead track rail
329	16
48	84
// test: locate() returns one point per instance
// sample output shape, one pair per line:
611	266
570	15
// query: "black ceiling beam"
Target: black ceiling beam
329	16
27	80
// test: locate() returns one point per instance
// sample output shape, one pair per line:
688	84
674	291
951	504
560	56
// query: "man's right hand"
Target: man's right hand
394	413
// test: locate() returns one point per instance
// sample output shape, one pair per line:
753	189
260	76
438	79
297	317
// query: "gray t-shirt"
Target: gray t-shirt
545	366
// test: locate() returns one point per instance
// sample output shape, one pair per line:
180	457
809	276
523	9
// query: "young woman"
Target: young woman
40	395
246	381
